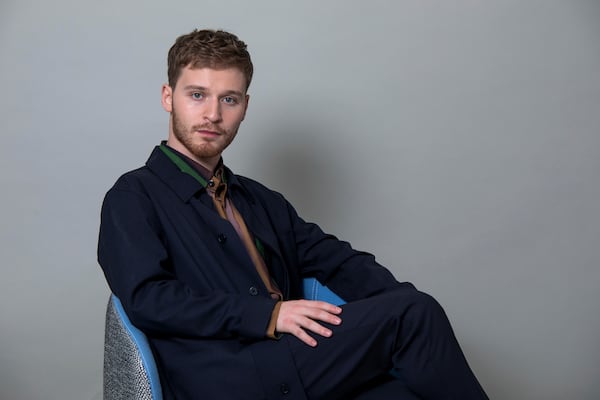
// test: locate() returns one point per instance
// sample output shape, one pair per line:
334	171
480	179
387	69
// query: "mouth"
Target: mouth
208	132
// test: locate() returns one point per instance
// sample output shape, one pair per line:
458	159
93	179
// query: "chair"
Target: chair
129	368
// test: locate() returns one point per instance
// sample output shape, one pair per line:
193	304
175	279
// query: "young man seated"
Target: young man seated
209	265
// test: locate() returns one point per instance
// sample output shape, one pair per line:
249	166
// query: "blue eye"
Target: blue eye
197	95
229	100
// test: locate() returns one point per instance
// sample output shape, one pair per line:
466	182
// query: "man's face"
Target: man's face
207	107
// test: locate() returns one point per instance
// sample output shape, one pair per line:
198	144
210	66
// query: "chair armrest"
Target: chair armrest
314	290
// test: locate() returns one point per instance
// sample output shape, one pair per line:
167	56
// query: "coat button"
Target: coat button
253	290
285	389
221	238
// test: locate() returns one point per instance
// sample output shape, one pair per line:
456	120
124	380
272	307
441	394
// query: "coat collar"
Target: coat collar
183	184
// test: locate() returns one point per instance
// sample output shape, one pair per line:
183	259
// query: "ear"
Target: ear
167	98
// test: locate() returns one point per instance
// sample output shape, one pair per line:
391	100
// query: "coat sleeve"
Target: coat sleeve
350	273
136	263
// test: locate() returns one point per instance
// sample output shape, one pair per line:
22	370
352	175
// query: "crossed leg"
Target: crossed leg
403	331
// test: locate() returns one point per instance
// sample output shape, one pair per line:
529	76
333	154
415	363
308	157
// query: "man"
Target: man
209	265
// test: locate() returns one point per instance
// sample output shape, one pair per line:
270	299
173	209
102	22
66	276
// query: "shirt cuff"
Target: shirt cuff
273	323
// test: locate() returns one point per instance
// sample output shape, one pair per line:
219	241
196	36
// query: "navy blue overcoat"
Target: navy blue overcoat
185	278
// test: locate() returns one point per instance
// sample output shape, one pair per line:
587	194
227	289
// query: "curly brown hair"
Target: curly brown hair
208	48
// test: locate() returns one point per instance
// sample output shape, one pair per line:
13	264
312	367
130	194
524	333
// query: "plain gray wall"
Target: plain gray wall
458	141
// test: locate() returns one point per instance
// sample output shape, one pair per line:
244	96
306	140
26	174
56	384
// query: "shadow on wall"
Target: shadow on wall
303	162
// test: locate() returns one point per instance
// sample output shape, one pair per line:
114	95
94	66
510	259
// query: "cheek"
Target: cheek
184	111
235	118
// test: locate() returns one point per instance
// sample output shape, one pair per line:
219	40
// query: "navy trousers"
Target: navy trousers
398	345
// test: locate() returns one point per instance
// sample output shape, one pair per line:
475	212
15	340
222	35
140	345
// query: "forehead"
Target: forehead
227	79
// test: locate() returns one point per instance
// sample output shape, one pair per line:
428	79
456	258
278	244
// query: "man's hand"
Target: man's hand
298	316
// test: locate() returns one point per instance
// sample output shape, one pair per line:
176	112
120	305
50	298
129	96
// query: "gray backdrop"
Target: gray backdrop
458	141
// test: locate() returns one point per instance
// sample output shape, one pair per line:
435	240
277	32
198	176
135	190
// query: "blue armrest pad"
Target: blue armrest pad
314	290
147	358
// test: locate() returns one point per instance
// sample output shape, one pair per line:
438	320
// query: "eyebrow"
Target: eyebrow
202	88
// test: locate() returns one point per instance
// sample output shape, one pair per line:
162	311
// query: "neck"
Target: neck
209	163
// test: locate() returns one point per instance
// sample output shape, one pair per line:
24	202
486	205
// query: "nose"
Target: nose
213	110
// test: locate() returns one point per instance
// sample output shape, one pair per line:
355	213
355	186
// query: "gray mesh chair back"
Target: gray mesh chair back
129	368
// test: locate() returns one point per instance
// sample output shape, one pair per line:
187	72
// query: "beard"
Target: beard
201	149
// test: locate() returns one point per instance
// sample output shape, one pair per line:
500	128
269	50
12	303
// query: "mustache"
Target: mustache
207	127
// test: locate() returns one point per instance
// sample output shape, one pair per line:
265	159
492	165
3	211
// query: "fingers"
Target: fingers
299	316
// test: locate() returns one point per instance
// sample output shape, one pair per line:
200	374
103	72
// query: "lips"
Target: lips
205	132
210	131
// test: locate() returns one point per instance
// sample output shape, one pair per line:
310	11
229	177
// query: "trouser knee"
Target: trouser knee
422	304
